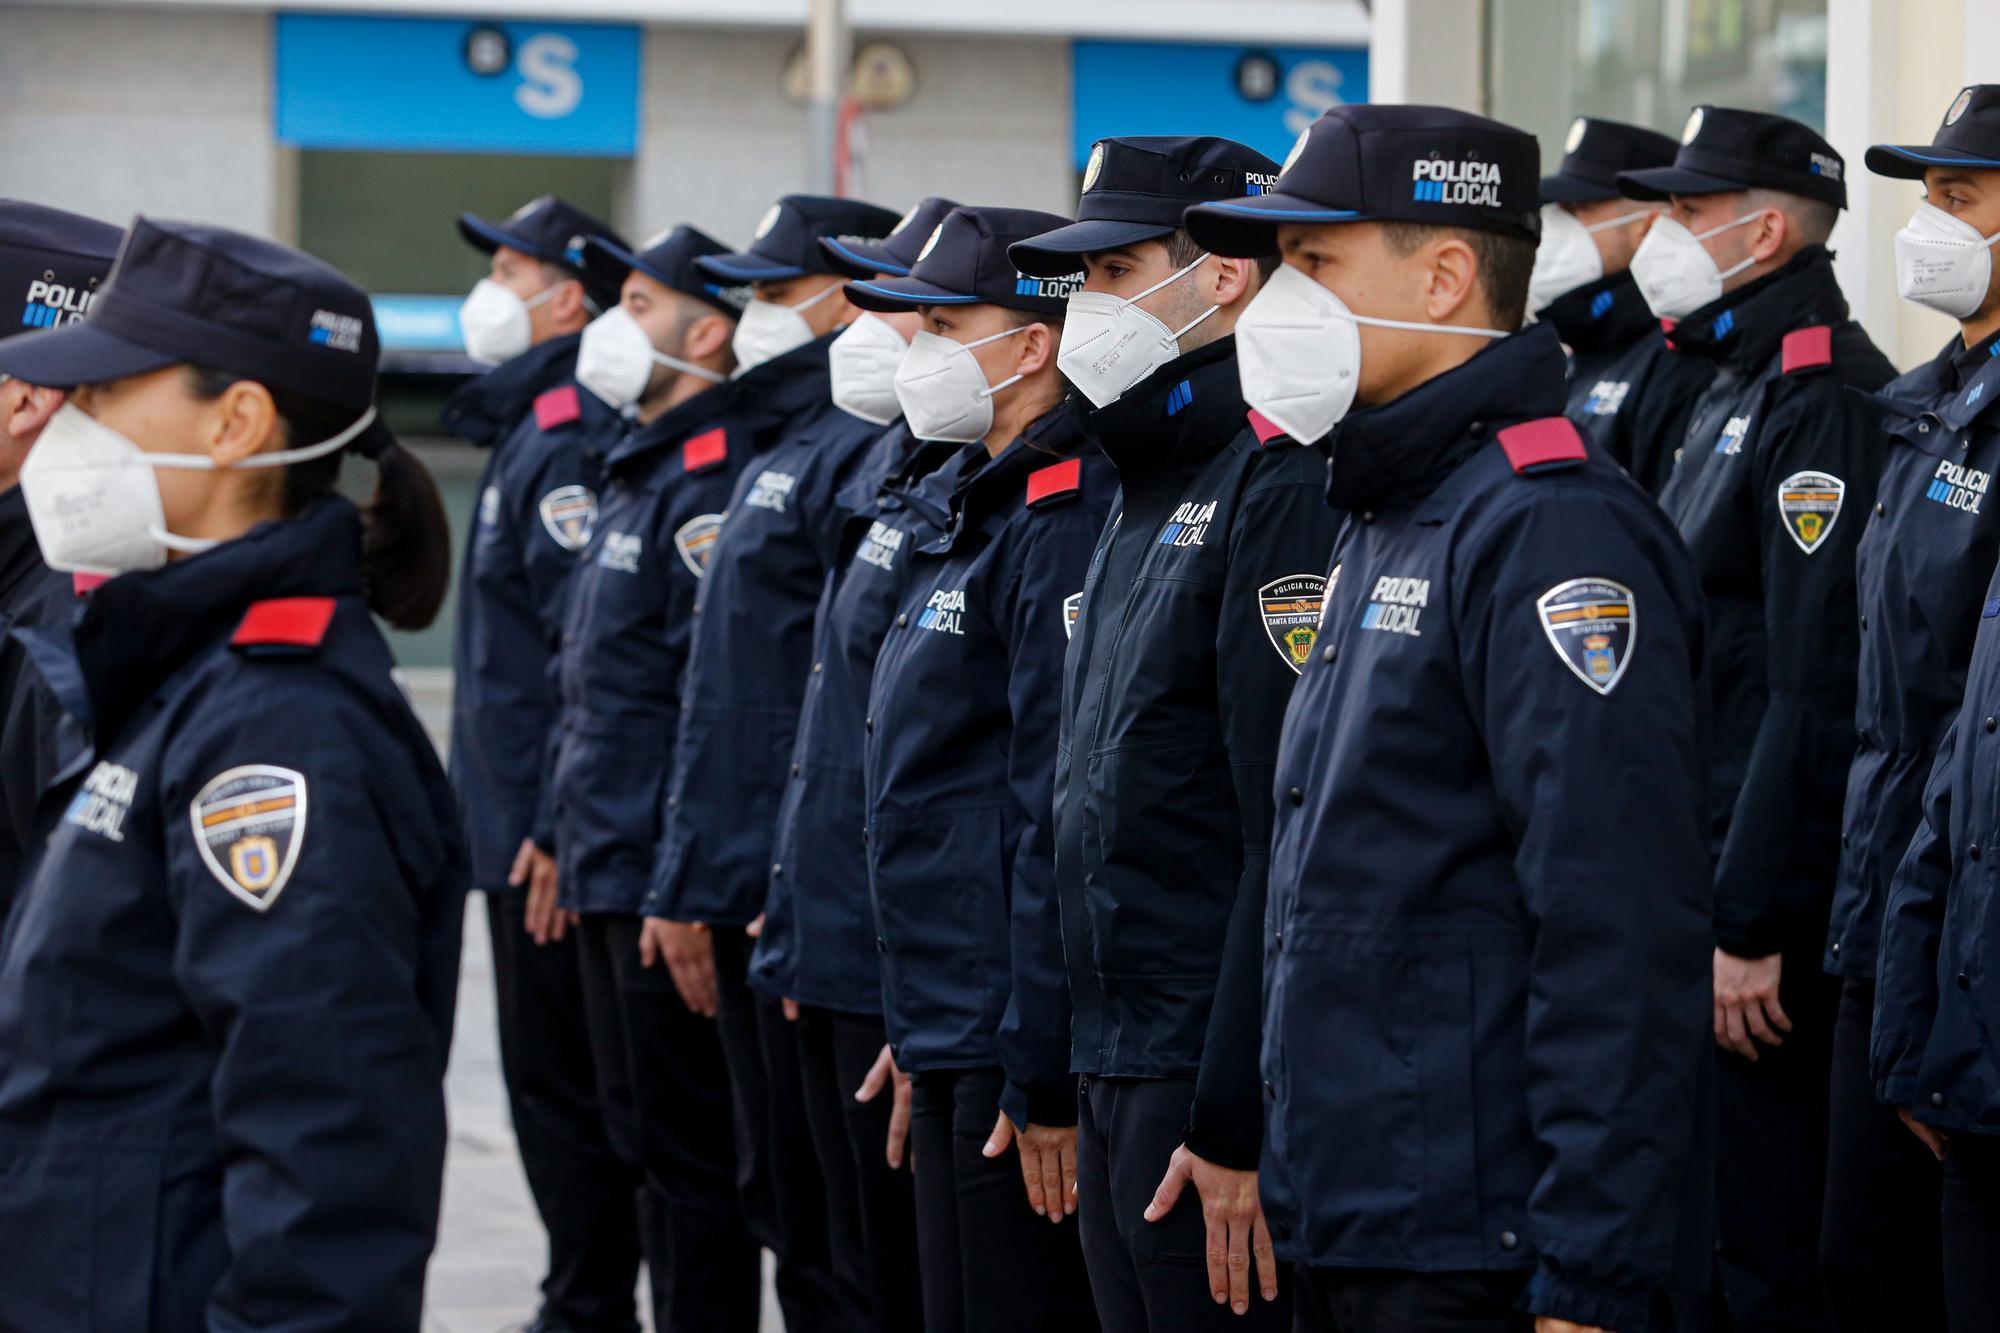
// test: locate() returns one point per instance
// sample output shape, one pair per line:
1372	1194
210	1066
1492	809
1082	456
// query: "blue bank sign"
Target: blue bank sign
1260	96
441	85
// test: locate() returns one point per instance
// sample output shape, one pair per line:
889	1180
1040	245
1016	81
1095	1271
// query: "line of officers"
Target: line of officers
1380	743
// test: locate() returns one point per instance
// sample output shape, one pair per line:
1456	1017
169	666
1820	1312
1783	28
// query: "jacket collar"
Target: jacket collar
483	411
1403	449
1967	362
1601	316
999	485
20	554
139	628
680	423
770	396
1744	327
1187	410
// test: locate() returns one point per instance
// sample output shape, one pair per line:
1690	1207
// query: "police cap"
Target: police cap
52	263
1968	137
1725	149
550	229
1137	190
1595	152
786	242
668	259
895	253
182	292
1423	164
965	262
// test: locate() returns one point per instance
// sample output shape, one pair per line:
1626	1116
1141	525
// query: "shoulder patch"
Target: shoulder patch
249	823
1291	609
1265	429
558	407
568	515
695	540
1809	503
1593	624
705	449
1810	348
1550	444
283	627
85	584
1055	482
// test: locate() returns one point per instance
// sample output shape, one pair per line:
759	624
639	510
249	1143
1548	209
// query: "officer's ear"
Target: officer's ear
570	305
241	421
1039	343
707	337
1769	234
1451	278
26	408
1235	280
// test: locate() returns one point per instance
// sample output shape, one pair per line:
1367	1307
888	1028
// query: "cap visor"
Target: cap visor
1910	161
77	354
747	266
1247	227
1057	253
483	236
1654	183
860	261
893	294
609	265
1576	190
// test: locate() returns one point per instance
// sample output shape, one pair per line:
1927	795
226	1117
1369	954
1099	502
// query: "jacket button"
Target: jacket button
1295	796
902	620
1508	1240
795	770
673	801
1864	622
1326	653
1964	982
1972	852
868	725
1836	949
1368	516
816	667
881	945
1878	508
1278	940
1269	1091
1992	723
1843	842
1937	1099
777	870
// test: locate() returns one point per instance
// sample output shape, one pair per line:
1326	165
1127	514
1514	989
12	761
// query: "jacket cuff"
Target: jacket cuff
1747	941
1555	1295
1051	1103
1225	1150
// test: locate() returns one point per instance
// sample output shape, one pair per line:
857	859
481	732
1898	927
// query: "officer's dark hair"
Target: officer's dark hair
1505	263
1182	251
406	538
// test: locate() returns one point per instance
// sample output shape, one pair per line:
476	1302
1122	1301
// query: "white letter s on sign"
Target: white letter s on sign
550	86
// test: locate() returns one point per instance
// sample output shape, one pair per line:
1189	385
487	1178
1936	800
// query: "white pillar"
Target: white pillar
1982	41
1429	51
1863	45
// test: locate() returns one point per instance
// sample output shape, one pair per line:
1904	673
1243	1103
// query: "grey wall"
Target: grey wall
989	124
107	112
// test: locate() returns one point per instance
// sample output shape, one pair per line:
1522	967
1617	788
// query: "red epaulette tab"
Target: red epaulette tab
558	407
704	449
1055	481
284	626
85	584
1549	444
1808	349
1265	429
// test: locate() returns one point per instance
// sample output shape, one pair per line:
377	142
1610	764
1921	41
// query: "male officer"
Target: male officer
1186	645
747	665
1778	464
51	263
537	500
1488	935
817	945
1629	393
661	358
1925	564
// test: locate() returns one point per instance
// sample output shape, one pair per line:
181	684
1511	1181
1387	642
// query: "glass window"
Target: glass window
1648	61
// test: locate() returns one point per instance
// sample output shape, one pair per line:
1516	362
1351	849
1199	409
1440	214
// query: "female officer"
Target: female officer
226	991
959	762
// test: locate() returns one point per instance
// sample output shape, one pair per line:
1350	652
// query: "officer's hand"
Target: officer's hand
1048	1164
1936	1140
1236	1230
1544	1324
1746	1003
543	919
689	953
755	930
880	1076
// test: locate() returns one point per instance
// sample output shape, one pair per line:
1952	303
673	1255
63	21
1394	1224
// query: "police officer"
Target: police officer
52	262
959	757
1487	958
1186	645
1778	463
1925	555
537	504
817	945
747	665
1629	393
660	357
226	991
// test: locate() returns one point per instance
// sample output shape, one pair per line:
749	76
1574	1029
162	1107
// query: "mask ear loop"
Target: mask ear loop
816	298
1167	281
1619	221
202	463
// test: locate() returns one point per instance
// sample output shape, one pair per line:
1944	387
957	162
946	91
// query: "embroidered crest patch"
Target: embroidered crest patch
1593	625
1809	502
1290	609
569	512
249	824
695	538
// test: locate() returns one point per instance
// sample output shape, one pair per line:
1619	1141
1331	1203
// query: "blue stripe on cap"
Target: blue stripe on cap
923	299
1285	215
881	265
1940	161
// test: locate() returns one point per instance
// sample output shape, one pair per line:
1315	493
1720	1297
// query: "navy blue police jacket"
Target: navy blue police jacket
1198	611
1487	958
1775	479
31	737
226	991
537	505
1937	1001
752	643
1630	393
625	635
818	941
1922	566
960	770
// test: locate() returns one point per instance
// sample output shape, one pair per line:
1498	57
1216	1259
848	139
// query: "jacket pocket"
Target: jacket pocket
939	882
80	1227
1169	846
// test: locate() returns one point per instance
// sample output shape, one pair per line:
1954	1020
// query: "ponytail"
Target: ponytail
406	538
